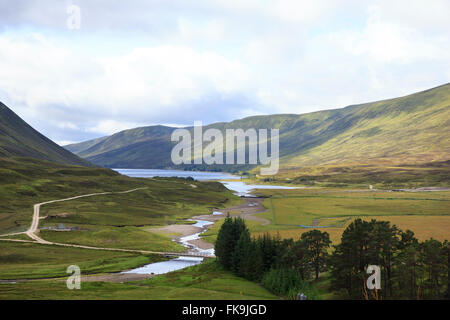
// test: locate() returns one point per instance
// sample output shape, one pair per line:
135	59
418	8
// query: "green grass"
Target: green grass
425	213
387	174
119	220
306	210
412	128
21	236
163	201
255	227
115	220
36	261
114	237
204	281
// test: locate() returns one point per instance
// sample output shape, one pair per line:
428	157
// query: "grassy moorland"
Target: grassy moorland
293	212
326	209
35	261
205	281
24	182
381	174
113	237
424	228
113	220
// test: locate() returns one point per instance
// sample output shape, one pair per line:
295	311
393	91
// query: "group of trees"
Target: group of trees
281	265
409	269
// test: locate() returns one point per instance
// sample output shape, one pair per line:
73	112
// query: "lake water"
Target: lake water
240	188
197	175
167	266
243	189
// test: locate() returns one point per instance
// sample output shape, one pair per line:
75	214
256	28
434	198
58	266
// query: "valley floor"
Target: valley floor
287	213
204	281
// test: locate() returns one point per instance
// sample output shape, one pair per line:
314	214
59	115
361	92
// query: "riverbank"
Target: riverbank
205	281
178	232
189	236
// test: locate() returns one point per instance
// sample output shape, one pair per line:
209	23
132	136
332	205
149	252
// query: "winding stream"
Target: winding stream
240	189
180	262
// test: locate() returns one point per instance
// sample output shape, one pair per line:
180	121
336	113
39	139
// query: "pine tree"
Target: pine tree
227	238
434	261
406	267
240	254
362	244
223	244
316	244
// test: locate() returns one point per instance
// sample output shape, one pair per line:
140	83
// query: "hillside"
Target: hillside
18	139
410	129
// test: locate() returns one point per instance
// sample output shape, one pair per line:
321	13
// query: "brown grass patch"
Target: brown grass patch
424	228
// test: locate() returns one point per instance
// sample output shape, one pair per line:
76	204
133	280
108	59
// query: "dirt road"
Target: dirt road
31	232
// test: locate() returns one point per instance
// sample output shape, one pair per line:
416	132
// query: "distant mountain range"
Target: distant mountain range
410	129
18	139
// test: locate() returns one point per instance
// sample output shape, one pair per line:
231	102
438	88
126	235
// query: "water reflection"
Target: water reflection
167	266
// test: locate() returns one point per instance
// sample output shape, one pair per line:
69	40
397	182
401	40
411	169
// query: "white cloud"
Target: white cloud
63	143
168	76
390	41
67	125
107	127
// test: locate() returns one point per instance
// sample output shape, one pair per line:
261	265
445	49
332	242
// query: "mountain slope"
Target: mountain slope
413	128
86	144
18	139
136	148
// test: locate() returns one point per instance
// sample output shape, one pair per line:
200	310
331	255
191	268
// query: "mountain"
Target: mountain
18	139
410	129
137	148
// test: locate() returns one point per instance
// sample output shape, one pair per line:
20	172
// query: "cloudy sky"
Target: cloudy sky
136	63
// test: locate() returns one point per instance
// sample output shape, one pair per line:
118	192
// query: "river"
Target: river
240	188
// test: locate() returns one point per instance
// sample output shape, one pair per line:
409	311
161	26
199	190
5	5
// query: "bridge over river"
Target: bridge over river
188	254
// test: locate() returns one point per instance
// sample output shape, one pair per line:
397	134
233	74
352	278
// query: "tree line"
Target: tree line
409	269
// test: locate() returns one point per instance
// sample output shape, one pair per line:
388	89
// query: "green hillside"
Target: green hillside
413	129
410	129
140	146
18	139
79	147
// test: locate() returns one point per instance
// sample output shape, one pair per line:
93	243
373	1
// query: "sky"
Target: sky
144	62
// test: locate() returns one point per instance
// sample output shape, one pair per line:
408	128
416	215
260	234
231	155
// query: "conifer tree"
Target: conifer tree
316	244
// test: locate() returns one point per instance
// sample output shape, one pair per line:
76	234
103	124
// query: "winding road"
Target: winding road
31	232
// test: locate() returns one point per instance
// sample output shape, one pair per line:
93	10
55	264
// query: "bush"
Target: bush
288	283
